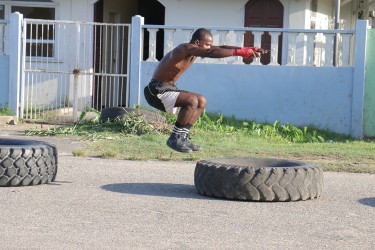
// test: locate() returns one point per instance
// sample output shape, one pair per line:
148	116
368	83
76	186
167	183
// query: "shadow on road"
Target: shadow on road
155	189
368	201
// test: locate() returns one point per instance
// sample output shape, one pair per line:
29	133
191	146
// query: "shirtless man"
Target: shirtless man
162	93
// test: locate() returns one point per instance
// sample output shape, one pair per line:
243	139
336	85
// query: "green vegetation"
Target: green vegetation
133	139
6	111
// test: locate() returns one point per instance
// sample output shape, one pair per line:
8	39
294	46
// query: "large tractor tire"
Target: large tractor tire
111	113
24	163
258	179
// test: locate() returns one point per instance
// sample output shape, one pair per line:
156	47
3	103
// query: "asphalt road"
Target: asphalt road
117	204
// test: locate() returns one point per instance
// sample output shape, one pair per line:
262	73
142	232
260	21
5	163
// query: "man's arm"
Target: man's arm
213	52
224	51
225	47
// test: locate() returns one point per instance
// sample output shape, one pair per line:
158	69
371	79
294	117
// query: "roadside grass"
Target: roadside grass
6	111
221	137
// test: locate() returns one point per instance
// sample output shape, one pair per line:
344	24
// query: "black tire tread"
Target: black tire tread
27	163
302	181
111	113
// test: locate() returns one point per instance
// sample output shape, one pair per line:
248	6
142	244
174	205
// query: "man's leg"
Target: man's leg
191	107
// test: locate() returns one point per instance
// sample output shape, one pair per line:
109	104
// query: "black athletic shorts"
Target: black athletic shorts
153	89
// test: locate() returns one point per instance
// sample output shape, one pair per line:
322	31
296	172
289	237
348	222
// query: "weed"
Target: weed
277	131
134	124
79	152
109	154
6	111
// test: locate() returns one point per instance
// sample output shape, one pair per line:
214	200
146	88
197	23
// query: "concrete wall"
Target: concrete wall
369	109
324	97
4	80
315	96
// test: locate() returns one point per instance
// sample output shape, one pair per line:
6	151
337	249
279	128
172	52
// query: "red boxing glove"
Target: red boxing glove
245	52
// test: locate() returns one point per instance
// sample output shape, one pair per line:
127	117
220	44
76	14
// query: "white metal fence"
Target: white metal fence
68	67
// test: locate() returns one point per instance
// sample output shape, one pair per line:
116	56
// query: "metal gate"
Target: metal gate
69	67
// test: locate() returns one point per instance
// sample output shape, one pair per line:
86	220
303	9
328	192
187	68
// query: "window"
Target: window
40	37
35	12
2	12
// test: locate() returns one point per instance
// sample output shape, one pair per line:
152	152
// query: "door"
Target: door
265	14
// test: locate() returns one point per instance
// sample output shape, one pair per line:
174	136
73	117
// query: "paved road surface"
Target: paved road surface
117	204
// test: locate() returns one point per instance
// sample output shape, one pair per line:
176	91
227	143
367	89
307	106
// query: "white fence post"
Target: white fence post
15	31
135	60
359	79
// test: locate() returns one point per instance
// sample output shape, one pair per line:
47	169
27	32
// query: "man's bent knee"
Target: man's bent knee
193	101
202	102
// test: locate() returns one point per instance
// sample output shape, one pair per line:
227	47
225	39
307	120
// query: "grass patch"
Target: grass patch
133	139
6	111
79	152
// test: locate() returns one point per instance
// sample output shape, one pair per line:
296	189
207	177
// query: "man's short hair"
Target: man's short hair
200	34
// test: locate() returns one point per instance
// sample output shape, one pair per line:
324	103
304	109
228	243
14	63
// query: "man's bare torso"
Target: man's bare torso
174	63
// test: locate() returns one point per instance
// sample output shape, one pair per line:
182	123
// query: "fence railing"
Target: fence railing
68	66
3	25
290	47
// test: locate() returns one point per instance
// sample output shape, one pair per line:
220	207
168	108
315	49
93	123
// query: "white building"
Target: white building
69	63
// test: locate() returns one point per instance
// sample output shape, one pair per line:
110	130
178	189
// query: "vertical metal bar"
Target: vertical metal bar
110	62
33	111
30	83
37	75
122	64
49	77
117	55
57	28
128	67
32	75
90	67
43	76
83	70
95	85
64	99
23	63
105	64
76	74
100	64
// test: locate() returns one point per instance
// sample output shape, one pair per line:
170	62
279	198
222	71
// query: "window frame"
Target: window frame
8	4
